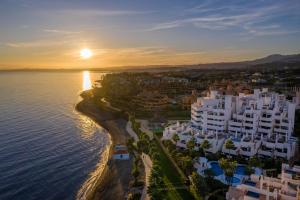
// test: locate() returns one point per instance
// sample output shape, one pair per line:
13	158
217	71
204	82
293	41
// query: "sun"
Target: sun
86	53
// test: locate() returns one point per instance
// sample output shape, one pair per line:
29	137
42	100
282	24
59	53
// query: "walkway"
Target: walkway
148	165
131	132
146	161
145	128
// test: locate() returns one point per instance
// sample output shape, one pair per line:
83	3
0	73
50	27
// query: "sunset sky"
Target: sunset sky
51	34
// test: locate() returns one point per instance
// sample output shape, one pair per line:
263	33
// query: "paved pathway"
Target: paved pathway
145	128
148	165
146	161
131	132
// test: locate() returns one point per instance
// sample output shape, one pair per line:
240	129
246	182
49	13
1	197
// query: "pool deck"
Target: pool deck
238	178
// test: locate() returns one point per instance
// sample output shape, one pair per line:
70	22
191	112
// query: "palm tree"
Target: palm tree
255	162
191	144
228	167
229	145
205	144
199	184
156	183
175	138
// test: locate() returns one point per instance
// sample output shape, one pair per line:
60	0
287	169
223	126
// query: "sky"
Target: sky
50	34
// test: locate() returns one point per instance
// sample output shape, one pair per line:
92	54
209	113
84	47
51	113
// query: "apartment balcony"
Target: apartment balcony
212	127
222	123
265	153
262	130
247	153
279	130
248	124
270	144
285	124
234	123
197	119
248	131
239	117
280	154
197	123
217	117
234	129
230	151
270	119
267	124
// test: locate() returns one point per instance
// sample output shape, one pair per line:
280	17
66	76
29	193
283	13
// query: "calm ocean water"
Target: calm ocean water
47	149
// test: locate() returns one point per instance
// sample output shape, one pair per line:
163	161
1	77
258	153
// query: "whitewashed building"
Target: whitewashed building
285	186
260	123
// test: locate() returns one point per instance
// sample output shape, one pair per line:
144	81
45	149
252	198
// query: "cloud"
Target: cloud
33	44
252	19
209	22
103	13
150	50
63	32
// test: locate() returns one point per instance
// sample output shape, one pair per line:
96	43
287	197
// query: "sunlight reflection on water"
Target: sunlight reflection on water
86	80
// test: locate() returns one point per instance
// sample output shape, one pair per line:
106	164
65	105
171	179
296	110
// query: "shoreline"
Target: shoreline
116	175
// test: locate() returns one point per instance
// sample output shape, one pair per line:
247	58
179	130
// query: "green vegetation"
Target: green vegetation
205	144
228	167
175	138
191	144
199	184
229	144
165	181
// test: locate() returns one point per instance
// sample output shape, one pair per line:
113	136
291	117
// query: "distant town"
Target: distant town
209	134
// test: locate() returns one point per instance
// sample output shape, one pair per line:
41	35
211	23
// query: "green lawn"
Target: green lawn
175	184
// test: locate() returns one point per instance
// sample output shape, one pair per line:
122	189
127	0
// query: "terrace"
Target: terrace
263	187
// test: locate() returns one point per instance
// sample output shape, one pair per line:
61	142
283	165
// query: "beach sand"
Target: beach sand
114	180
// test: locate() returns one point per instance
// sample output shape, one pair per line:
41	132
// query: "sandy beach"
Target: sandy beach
114	180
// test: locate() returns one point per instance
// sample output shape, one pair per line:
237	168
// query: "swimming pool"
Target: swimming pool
240	169
216	168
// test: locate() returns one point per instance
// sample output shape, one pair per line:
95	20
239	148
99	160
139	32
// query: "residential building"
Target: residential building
259	123
284	187
149	100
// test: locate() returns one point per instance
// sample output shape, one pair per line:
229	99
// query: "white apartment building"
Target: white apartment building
285	186
260	123
186	132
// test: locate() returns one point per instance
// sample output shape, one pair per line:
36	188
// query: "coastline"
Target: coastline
113	182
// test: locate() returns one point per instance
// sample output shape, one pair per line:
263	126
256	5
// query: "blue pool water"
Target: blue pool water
235	180
240	170
216	168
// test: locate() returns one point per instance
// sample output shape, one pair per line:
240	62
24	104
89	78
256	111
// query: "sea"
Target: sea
47	149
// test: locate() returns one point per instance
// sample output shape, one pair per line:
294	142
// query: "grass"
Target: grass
176	188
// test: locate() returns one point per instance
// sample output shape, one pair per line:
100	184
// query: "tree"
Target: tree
229	145
255	162
130	145
187	164
143	146
205	144
175	138
191	144
156	184
209	173
228	167
199	184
